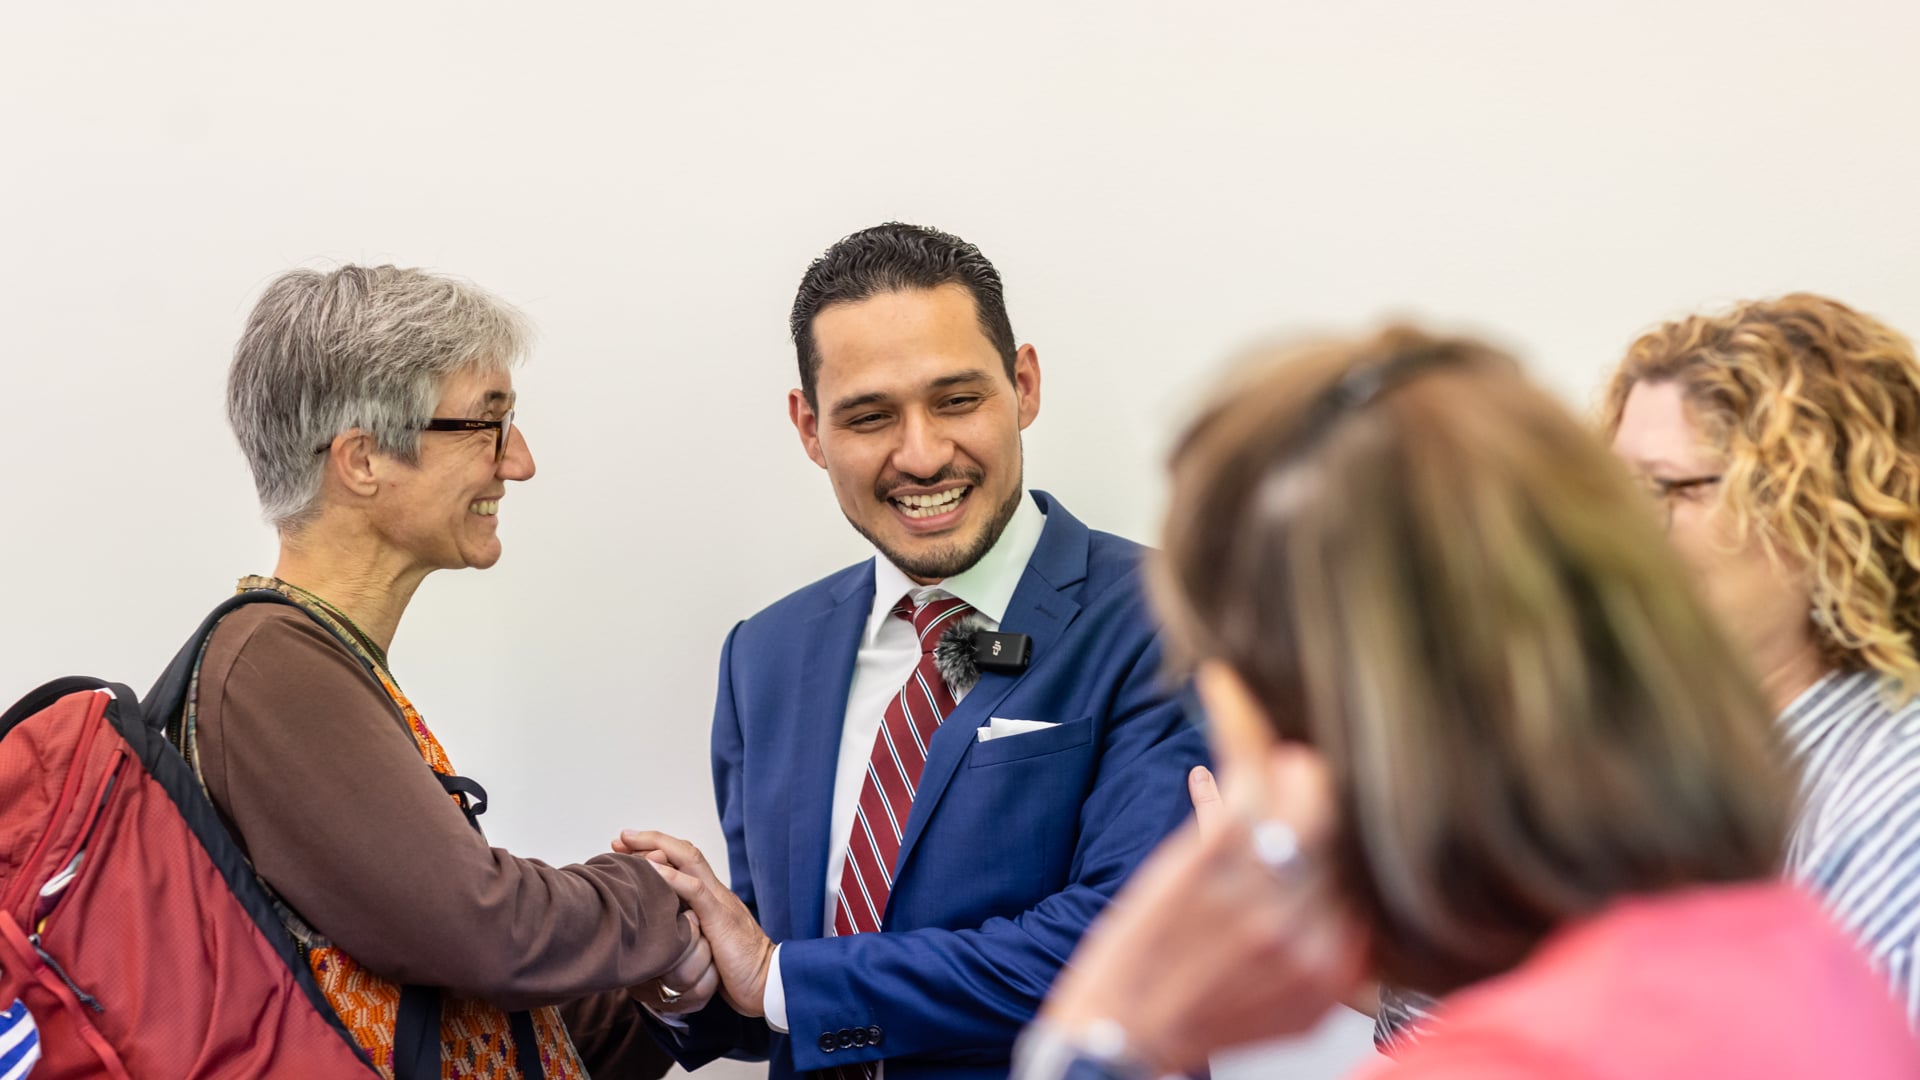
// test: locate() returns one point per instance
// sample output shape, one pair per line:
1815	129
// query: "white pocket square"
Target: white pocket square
998	727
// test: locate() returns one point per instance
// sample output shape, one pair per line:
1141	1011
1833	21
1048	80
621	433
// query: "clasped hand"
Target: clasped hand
730	953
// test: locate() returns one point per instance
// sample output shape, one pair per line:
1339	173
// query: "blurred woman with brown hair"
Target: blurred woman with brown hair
1477	735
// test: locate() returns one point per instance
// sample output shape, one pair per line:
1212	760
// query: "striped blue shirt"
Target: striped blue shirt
1856	840
19	1042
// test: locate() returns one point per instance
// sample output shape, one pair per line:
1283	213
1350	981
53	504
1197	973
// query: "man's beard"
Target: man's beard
943	564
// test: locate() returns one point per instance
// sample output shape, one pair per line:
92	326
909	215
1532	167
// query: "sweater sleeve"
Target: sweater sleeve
310	762
612	1037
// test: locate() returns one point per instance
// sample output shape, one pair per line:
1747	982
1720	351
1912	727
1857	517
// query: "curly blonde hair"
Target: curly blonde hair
1817	409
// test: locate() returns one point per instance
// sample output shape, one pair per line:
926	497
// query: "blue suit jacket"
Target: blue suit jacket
1012	847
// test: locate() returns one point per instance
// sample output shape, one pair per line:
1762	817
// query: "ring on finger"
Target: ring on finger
1277	846
668	995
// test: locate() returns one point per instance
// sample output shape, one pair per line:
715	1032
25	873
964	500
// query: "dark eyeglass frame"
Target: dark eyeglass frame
1664	490
501	428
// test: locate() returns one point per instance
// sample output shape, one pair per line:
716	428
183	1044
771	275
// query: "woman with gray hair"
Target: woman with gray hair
375	407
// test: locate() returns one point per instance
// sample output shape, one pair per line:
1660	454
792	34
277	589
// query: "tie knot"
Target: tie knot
932	618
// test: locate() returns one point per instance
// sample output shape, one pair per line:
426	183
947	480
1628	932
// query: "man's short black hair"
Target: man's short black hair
894	258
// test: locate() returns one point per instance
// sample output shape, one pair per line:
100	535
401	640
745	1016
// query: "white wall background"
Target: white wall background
1158	183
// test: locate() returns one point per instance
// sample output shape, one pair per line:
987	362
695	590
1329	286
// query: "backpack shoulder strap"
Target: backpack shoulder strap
169	694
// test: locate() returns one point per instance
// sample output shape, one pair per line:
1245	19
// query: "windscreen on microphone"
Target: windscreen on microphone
954	654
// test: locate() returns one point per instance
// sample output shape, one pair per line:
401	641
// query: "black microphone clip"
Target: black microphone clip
965	650
1005	654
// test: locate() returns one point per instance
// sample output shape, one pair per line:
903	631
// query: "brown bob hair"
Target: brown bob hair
1421	565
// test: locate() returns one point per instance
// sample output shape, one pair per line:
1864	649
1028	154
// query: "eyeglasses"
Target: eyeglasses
501	428
1663	492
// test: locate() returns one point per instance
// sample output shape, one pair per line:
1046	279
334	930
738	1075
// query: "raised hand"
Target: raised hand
1229	933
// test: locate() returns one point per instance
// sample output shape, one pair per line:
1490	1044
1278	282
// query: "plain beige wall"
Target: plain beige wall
1158	183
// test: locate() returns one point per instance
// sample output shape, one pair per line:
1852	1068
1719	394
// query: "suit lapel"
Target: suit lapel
831	641
1042	608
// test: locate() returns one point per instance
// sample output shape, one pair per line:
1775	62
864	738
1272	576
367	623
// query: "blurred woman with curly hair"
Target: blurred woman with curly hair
1781	440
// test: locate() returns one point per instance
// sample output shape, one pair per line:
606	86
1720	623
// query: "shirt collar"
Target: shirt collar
988	584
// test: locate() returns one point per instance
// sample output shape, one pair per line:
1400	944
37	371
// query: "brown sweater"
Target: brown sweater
310	764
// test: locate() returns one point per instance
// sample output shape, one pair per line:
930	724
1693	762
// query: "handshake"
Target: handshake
729	953
1219	940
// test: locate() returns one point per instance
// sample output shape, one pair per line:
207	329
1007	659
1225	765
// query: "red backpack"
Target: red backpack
130	923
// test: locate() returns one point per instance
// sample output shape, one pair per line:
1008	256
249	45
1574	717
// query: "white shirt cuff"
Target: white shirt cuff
773	1000
672	1020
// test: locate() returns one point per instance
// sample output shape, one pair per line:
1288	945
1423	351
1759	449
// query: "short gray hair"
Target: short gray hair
362	347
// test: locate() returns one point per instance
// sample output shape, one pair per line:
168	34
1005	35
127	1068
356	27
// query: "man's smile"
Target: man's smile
920	507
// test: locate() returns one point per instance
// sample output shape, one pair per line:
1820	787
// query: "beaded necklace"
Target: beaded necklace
366	640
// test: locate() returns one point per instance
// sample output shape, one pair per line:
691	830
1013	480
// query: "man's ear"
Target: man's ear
807	423
1026	383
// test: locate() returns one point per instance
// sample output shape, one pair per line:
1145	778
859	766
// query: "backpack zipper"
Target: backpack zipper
53	965
70	791
56	886
54	889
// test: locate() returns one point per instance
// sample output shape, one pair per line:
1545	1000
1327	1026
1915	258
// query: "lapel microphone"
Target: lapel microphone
968	648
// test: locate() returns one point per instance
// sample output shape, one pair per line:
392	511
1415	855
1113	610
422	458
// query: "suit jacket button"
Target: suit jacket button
846	1038
828	1043
859	1036
874	1035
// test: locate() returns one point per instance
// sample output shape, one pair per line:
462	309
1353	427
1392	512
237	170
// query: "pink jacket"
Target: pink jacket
1747	981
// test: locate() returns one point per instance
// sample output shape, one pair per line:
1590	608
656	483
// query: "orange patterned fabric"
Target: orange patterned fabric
476	1042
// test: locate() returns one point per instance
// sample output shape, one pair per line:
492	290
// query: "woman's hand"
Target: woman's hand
1210	946
690	985
741	951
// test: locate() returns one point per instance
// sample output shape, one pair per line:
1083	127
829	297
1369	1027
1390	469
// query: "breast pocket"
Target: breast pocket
1032	744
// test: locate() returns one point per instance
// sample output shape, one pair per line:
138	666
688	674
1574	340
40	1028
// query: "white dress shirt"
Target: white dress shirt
889	651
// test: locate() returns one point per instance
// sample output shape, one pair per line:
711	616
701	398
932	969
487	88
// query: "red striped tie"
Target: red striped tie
893	773
886	796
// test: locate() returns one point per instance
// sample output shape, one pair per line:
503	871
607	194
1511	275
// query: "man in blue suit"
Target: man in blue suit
913	853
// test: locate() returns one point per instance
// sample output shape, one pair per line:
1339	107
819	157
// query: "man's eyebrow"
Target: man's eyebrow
858	401
958	378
